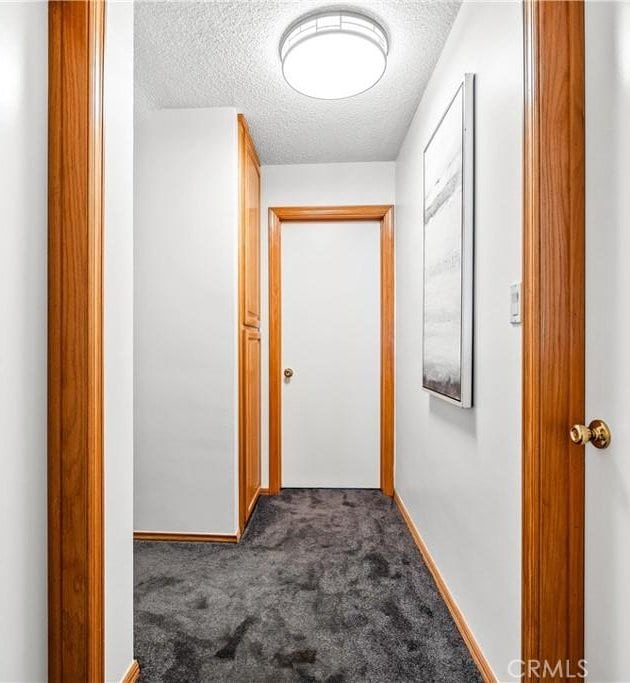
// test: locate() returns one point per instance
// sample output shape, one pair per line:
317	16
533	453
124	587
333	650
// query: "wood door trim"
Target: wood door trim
385	215
387	352
367	212
553	334
275	353
75	342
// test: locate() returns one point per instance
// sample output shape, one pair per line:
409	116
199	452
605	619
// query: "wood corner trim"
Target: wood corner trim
185	537
247	137
132	674
469	639
384	213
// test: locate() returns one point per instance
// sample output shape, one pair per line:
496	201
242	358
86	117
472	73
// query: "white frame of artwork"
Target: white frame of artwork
465	90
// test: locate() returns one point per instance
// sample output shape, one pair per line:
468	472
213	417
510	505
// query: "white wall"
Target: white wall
186	238
459	471
608	338
118	349
23	324
310	185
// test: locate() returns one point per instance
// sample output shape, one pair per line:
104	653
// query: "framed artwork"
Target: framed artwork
447	307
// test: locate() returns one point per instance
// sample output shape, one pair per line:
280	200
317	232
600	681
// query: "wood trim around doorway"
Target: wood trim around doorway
277	216
553	338
75	342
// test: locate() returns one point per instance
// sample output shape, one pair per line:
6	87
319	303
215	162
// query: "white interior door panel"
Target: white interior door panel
331	341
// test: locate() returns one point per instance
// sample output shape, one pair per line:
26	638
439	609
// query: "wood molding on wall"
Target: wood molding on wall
132	674
469	639
553	334
242	122
75	342
388	351
302	214
275	354
314	214
185	537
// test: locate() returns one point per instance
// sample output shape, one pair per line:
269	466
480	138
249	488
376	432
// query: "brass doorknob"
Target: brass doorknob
288	373
596	433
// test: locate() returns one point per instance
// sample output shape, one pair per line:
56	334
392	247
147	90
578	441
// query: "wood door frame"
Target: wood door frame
553	335
313	214
75	342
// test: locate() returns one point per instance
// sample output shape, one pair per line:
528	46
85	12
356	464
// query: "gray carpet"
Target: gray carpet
326	585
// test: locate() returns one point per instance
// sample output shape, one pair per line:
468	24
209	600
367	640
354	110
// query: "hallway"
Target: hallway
325	585
313	346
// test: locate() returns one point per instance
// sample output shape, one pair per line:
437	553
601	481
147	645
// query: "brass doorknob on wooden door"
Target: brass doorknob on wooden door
596	433
288	373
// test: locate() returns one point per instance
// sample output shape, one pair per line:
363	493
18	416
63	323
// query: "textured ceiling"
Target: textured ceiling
225	53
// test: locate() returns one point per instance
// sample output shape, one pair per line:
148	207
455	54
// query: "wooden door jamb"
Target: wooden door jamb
553	338
385	215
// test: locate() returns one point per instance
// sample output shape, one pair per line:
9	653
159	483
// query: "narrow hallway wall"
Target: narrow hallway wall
459	471
186	292
23	339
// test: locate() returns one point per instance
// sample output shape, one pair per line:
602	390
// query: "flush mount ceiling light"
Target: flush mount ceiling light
333	54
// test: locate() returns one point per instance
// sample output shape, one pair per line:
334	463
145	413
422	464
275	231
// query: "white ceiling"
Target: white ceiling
225	53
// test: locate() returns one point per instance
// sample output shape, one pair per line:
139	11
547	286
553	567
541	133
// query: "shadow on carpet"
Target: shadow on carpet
326	585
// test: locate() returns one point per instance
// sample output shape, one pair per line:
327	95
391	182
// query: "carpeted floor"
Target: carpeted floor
326	585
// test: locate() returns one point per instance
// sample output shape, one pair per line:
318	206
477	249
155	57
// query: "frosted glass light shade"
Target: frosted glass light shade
333	55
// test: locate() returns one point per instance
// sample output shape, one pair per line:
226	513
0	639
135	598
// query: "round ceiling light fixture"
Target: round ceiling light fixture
333	54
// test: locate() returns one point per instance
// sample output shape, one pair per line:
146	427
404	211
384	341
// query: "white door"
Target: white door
607	549
331	341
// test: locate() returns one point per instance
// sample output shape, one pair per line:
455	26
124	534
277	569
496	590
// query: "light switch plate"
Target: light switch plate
515	303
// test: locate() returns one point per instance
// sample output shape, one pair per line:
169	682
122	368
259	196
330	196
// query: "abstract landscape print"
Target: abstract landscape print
447	290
